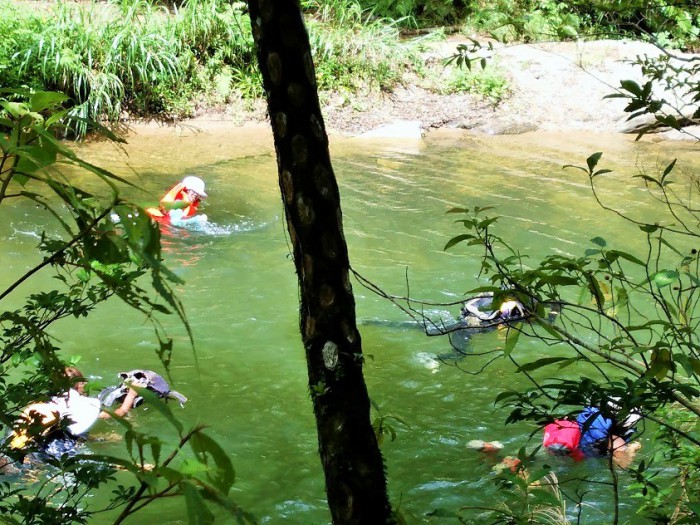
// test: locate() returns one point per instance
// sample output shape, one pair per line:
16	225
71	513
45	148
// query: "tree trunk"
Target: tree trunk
352	462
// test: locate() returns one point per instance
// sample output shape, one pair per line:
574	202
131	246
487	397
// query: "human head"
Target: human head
511	308
196	185
76	378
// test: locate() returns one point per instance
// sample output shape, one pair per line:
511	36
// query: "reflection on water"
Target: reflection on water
248	379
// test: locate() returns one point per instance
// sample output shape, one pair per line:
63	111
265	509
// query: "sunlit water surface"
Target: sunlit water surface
247	379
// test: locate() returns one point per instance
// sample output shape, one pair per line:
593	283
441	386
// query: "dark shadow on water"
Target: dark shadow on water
457	340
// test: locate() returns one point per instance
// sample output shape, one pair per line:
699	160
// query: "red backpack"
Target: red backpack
562	436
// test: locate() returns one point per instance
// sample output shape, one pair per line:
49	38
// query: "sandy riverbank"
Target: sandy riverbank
552	87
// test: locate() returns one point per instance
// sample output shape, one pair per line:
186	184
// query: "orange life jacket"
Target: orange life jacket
176	193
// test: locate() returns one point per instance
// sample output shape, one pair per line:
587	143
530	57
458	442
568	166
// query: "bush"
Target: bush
133	56
487	83
661	20
351	49
425	12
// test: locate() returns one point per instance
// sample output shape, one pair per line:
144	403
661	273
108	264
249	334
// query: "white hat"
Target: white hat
195	184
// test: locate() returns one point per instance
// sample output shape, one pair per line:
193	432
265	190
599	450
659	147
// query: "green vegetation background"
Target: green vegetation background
171	60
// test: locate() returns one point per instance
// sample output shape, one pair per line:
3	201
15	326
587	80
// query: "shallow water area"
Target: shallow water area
247	377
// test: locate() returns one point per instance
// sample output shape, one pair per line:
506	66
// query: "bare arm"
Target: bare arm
623	452
125	406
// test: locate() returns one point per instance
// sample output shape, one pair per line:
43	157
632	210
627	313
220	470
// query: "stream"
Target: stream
246	378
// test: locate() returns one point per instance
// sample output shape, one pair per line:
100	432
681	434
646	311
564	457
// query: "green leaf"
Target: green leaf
457	240
569	31
668	120
649	228
111	460
545	361
42	100
668	169
660	363
15	109
172	475
559	280
622	298
665	278
695	507
224	475
512	336
55	118
671	247
197	511
155	451
632	87
158	404
648	325
505	395
669	306
33	158
596	291
482	289
576	167
647	178
9	521
487	222
689	364
192	468
627	257
599	241
592	161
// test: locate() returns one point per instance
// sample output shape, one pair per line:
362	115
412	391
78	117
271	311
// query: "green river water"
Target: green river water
248	381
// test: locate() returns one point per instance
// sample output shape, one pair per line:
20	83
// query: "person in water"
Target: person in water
79	382
593	434
59	426
128	398
181	201
481	309
62	421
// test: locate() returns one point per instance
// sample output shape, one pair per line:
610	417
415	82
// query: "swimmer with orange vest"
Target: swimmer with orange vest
180	203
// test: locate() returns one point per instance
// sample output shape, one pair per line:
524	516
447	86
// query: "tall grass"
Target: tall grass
143	58
98	57
134	55
351	47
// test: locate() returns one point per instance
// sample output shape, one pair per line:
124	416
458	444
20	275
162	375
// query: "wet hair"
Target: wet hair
74	376
73	373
